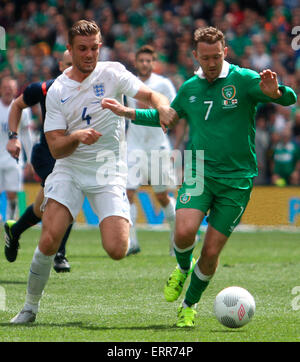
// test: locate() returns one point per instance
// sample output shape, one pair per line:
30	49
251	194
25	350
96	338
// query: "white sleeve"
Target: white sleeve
128	83
54	119
26	134
169	90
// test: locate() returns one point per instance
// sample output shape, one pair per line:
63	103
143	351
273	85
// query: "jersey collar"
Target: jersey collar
223	74
85	83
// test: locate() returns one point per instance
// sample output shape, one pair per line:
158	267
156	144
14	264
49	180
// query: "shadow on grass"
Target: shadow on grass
234	330
96	257
12	282
89	327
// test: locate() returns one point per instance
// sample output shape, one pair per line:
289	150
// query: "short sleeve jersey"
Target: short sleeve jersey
146	138
73	105
286	155
221	118
5	158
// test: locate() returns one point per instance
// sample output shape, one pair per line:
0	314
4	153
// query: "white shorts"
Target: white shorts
108	200
11	179
145	168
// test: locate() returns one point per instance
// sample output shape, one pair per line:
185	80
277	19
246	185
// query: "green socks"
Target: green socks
198	284
184	257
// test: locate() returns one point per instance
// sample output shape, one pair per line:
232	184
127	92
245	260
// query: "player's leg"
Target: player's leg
62	203
186	227
203	272
190	211
134	246
12	182
115	233
61	263
225	214
11	204
43	164
56	219
111	205
168	204
13	229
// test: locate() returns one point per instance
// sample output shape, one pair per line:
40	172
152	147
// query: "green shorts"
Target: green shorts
226	199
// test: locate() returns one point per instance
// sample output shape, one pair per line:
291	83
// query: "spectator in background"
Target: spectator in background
262	141
11	178
259	58
258	34
296	129
286	160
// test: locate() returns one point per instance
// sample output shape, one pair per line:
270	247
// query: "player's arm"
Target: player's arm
142	117
267	89
180	131
14	145
158	101
62	145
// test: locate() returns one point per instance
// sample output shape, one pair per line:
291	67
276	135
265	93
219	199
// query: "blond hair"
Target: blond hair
83	27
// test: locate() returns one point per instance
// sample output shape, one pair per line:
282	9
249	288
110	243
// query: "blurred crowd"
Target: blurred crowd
259	35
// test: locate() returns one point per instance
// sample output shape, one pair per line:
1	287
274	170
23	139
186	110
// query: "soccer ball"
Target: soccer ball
234	307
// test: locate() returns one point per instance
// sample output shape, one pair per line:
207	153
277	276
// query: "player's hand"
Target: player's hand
87	136
118	108
14	148
269	84
115	106
168	117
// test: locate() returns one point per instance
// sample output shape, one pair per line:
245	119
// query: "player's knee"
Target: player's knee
117	254
117	251
184	234
47	244
209	253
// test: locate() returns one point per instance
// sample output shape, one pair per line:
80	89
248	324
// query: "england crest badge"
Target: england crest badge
99	89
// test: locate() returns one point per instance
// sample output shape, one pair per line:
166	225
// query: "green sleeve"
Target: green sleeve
146	117
177	103
288	95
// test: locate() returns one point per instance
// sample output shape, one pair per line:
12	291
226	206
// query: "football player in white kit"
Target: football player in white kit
89	145
11	170
147	139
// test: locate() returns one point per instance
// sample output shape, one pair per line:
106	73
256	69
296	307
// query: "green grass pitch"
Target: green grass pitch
113	301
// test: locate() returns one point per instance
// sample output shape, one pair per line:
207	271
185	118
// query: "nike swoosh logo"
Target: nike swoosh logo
64	100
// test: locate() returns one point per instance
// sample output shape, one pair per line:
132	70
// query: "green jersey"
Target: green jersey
221	118
286	156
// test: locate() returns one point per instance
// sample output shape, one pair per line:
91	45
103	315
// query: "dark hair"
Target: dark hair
83	27
209	35
148	49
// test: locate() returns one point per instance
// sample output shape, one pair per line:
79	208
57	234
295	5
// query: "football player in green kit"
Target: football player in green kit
219	103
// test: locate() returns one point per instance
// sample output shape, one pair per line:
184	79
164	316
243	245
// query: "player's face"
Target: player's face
66	61
85	52
144	64
210	58
8	90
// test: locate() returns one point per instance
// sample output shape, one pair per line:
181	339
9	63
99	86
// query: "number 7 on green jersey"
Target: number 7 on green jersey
210	103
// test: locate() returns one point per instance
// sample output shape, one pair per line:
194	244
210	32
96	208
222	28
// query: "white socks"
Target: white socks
11	209
133	242
169	212
38	277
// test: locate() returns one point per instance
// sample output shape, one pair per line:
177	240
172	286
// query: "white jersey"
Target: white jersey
150	138
72	106
6	160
